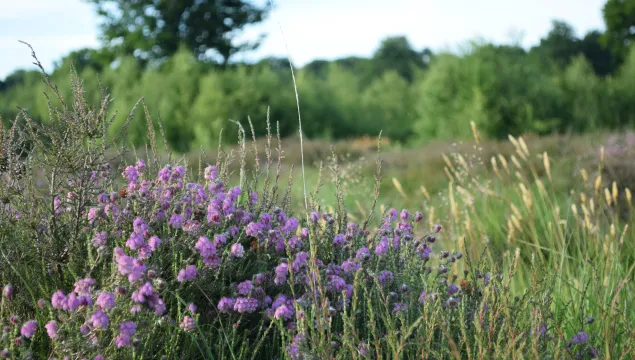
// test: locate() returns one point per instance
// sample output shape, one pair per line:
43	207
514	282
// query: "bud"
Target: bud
418	216
436	228
7	292
431	239
445	254
459	255
404	288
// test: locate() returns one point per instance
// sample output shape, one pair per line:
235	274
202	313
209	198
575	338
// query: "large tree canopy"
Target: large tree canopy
154	29
619	17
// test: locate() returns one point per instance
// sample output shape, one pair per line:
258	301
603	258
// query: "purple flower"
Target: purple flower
99	319
122	341
281	273
436	228
100	239
131	174
99	357
362	254
191	308
418	216
187	324
205	247
452	289
486	279
244	287
336	283
176	221
29	328
338	240
314	216
253	229
135	241
382	248
154	243
51	329
211	172
58	300
385	277
187	274
299	261
399	307
422	297
7	291
226	304
283	311
105	300
139	226
247	305
237	250
579	338
127	328
350	266
405	215
392	215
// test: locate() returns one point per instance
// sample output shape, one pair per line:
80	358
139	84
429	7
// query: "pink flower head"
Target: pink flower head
99	319
237	250
28	329
51	329
187	274
187	324
106	300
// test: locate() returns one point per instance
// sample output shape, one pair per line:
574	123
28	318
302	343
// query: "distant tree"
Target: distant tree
560	45
600	56
396	53
154	29
619	17
83	58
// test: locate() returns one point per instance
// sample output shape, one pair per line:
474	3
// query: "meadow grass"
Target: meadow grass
520	249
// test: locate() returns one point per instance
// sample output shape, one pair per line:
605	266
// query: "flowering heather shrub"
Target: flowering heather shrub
149	260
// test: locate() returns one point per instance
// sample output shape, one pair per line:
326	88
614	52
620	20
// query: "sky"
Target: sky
313	29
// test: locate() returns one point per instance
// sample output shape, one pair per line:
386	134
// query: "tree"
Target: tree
154	29
396	53
597	53
560	45
619	17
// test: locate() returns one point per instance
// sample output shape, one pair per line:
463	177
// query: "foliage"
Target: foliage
154	30
148	259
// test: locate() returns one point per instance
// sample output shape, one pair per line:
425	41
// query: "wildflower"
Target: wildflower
51	329
392	215
405	215
127	328
84	329
338	240
237	250
418	216
28	329
336	283
281	273
58	300
350	266
226	304
187	274
362	254
176	221
131	174
220	239
7	291
244	287
135	241
283	311
106	300
205	247
452	289
259	279
399	307
243	305
98	357
486	279
99	319
191	308
422	297
436	228
314	217
122	341
211	172
253	229
382	248
100	239
579	338
187	324
385	277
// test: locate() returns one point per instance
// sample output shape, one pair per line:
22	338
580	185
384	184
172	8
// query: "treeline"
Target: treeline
565	83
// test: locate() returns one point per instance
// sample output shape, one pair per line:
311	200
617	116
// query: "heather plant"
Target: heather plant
150	259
